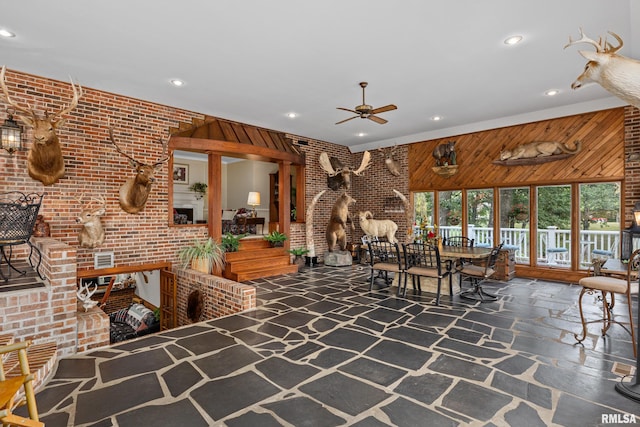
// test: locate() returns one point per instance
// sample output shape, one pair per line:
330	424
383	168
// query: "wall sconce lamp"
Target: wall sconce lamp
253	200
10	134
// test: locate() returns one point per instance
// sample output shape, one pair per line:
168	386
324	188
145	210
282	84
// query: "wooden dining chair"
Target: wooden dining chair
423	260
477	273
608	286
10	388
384	258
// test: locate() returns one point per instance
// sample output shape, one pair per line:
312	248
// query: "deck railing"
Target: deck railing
553	244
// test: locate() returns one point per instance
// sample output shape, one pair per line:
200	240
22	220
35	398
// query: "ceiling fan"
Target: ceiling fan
365	111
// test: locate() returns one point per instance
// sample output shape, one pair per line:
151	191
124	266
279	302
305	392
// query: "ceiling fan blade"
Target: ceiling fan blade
346	109
383	109
346	120
377	119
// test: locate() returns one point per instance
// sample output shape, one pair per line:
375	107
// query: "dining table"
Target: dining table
453	253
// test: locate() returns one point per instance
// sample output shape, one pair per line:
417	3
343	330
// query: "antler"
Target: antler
325	164
165	145
364	165
584	39
610	48
74	102
113	141
10	101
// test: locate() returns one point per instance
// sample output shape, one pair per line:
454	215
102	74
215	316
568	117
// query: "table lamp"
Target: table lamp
253	200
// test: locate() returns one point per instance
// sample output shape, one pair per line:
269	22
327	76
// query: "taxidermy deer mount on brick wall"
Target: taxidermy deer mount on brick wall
616	73
339	174
92	232
393	166
44	161
135	191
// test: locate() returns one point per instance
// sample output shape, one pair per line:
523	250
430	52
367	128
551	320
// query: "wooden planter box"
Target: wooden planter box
505	265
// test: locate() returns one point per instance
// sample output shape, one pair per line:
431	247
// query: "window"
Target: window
554	226
480	216
450	213
514	221
599	221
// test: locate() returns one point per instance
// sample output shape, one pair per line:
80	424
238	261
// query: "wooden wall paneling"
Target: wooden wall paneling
241	135
601	157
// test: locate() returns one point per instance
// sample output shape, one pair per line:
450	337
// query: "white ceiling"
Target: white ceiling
254	61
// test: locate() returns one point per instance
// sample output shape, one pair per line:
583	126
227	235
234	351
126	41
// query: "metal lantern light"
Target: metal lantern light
630	234
10	135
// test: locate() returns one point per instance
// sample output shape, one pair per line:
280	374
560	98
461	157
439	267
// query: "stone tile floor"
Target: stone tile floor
321	350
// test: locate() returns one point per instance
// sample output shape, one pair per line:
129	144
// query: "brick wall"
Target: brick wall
46	314
370	191
94	168
631	168
221	296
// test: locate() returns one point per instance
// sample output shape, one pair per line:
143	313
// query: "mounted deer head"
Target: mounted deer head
339	174
44	161
92	232
616	73
135	191
84	295
392	164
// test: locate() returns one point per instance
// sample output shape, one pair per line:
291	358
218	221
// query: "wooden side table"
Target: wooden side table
253	221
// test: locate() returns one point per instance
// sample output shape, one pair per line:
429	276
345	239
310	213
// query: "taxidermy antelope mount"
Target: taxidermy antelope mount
135	191
44	161
84	295
339	174
616	73
392	164
92	233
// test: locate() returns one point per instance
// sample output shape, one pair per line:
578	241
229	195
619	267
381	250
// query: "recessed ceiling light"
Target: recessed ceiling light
361	134
552	92
513	40
6	33
292	115
177	82
436	118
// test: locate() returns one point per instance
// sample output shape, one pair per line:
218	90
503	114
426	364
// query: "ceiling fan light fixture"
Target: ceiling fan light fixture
292	115
361	134
177	82
552	92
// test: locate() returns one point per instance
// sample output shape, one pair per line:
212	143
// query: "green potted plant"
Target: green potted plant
298	253
275	238
206	256
200	188
231	243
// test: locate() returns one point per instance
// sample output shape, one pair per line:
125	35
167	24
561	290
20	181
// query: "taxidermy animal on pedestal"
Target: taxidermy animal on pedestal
340	217
378	227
